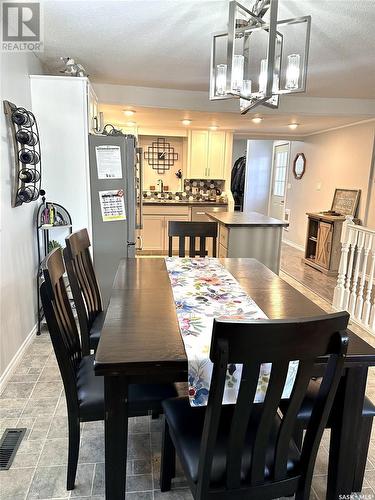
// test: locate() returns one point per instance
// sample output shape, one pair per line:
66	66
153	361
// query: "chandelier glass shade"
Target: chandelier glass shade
257	61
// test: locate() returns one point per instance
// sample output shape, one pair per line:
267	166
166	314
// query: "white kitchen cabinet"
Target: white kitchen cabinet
207	154
216	155
155	227
93	110
153	233
198	154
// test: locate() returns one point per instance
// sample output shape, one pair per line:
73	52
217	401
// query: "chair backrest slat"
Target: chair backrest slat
84	285
61	324
254	425
192	230
241	415
287	426
272	399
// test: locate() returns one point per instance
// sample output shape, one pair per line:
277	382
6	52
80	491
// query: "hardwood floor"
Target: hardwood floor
292	264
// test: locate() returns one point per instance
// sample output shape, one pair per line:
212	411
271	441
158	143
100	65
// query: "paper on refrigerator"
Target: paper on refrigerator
112	205
108	161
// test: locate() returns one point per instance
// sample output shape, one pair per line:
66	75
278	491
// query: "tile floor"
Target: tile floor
34	398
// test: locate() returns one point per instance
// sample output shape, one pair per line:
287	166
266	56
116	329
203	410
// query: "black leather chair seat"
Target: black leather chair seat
305	411
90	388
186	426
96	329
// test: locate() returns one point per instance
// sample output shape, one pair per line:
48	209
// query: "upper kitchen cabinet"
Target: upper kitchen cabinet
197	154
216	155
207	154
94	124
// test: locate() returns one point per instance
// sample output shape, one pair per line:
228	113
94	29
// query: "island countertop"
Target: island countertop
246	219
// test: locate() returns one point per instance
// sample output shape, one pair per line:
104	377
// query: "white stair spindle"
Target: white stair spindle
368	306
338	295
358	255
352	236
361	291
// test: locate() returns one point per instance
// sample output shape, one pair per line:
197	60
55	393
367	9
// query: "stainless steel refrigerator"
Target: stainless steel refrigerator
116	197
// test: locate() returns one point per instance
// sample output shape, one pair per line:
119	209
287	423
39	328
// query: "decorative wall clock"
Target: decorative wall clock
160	155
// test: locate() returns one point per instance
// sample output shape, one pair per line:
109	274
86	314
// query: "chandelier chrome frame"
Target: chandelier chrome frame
270	93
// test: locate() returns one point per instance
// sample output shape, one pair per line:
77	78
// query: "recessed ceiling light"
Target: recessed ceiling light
214	127
186	122
257	119
293	126
131	124
129	112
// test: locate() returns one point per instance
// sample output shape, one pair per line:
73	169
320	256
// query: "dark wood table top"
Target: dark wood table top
141	333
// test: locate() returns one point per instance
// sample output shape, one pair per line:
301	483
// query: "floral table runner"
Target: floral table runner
203	290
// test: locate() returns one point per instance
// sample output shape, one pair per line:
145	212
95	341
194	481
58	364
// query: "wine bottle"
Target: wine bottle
27	156
27	194
26	137
27	175
22	117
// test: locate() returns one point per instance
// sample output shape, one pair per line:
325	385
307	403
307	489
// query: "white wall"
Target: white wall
17	243
60	103
258	176
239	149
336	159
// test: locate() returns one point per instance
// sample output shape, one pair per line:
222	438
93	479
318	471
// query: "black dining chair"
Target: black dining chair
85	288
83	390
192	230
303	418
246	450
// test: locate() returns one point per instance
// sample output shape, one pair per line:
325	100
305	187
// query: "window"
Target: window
281	165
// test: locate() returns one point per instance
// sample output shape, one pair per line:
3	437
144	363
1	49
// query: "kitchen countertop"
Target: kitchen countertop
246	219
185	203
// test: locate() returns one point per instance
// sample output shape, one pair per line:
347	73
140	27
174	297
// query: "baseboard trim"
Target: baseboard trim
8	372
294	245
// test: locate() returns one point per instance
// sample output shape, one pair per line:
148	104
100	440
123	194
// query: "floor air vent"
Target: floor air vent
9	444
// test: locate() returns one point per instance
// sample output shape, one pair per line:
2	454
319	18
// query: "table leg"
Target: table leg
347	412
116	437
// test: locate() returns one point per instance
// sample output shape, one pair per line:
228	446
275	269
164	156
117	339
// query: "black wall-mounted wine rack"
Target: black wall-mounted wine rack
27	172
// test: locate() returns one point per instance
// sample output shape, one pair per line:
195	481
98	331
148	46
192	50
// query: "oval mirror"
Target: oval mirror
299	165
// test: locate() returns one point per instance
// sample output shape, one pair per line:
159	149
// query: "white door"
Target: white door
279	181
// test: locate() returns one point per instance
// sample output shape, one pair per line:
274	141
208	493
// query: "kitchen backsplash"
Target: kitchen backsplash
194	190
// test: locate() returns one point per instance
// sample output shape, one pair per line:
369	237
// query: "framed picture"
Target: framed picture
345	201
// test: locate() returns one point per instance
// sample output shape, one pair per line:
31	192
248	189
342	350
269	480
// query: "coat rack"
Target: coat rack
26	176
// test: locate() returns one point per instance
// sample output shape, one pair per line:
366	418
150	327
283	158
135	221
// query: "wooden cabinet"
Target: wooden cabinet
207	154
323	247
153	232
155	227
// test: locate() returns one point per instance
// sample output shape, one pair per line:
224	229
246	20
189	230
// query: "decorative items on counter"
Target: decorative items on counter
193	190
26	177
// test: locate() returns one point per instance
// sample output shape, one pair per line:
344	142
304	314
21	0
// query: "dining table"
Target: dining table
141	342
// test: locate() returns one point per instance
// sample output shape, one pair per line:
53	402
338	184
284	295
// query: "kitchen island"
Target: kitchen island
250	234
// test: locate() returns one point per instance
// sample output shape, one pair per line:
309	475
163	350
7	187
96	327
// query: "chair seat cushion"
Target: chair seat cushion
305	411
96	330
90	388
186	427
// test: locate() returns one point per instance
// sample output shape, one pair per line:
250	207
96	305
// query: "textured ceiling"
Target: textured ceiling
166	43
273	124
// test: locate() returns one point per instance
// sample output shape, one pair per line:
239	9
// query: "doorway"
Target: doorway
279	181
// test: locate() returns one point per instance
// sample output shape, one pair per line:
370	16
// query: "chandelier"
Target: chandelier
257	61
